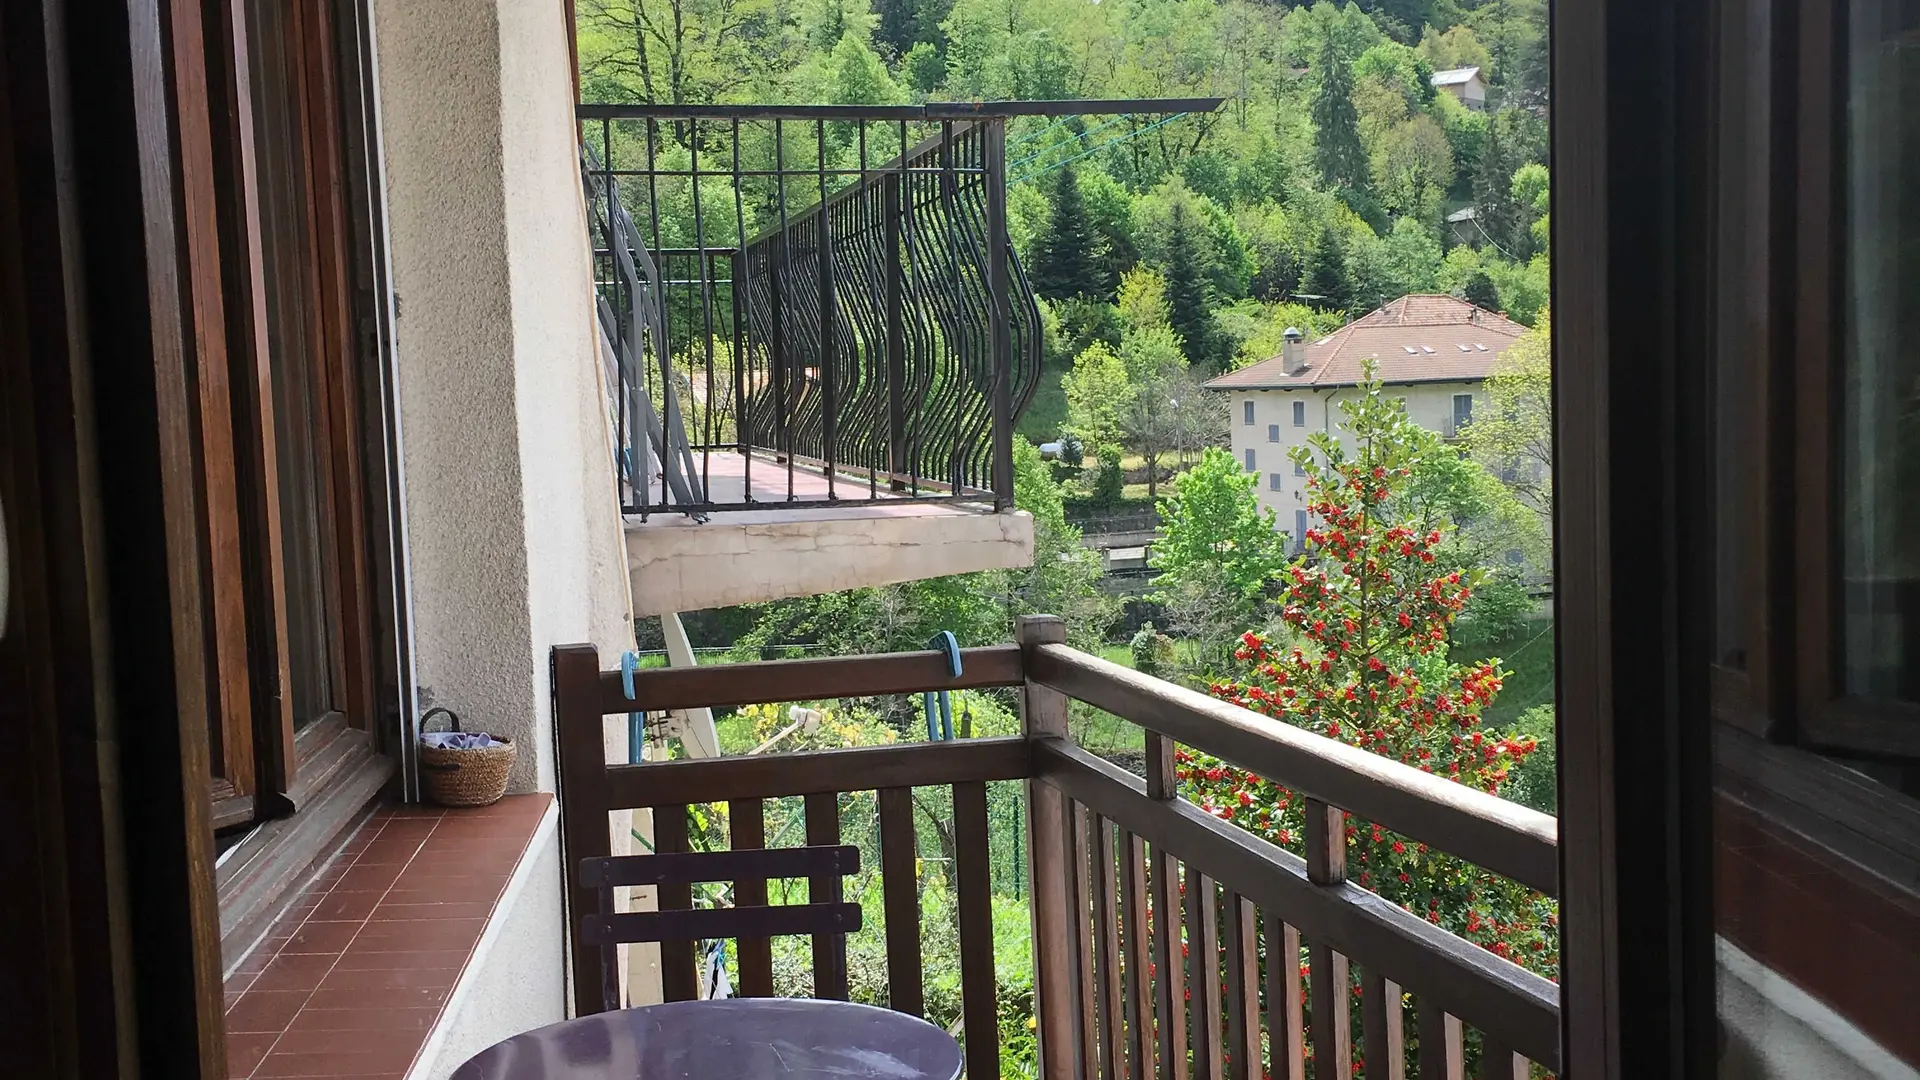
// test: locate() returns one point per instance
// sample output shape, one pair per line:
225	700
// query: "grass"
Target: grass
1529	656
1047	413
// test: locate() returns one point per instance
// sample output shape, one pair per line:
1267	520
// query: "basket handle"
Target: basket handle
453	718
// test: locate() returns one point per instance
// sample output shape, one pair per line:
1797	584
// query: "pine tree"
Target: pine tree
1326	275
1479	291
1066	260
1495	210
1188	310
1336	124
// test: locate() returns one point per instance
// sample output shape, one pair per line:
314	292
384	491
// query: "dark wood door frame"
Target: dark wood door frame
104	665
1632	104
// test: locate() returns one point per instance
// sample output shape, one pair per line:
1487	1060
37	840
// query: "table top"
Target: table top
732	1039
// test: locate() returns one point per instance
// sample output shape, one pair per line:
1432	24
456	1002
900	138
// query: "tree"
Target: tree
1364	661
1328	280
1513	436
1412	167
1187	306
1098	393
1496	213
1067	259
1479	291
1213	523
1456	47
1150	415
1336	126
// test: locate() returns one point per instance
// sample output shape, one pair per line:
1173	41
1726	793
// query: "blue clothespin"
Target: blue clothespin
636	721
943	641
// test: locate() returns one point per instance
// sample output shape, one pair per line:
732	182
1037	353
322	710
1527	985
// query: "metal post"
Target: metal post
994	164
891	211
828	316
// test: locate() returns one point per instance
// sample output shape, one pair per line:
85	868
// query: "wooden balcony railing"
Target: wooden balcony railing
1125	875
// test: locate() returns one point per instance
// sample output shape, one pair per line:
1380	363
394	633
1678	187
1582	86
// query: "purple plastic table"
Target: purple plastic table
735	1039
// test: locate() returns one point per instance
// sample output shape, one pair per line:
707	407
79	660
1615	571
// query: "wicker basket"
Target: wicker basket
455	777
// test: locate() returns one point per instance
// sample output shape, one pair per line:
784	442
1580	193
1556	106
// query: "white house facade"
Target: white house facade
1432	352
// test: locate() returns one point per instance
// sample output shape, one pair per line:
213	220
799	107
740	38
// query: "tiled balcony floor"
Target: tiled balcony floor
349	982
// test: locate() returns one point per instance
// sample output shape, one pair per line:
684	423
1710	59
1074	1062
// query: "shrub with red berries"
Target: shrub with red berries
1363	658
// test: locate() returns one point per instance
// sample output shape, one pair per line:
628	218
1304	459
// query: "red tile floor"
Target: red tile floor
350	980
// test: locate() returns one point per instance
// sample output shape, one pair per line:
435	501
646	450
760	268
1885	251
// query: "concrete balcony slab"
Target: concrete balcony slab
771	553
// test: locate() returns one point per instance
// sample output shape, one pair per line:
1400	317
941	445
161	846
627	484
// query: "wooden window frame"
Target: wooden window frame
292	790
1825	716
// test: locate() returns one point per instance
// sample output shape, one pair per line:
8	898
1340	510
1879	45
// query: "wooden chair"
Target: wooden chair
611	928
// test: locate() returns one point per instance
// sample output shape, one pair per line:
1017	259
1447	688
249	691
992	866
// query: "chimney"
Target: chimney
1293	351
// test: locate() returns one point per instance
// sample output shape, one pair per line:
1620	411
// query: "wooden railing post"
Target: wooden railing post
1327	970
583	812
1044	716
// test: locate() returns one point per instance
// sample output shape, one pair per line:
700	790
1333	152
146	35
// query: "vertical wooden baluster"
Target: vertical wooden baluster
1139	986
1081	920
679	979
1396	1031
1106	929
1328	977
900	892
1498	1061
1433	1045
1373	1021
1284	1035
829	950
1203	974
748	831
1044	716
1243	989
979	1004
1169	982
1442	1056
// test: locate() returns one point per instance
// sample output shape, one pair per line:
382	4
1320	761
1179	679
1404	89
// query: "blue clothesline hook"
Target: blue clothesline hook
941	703
636	721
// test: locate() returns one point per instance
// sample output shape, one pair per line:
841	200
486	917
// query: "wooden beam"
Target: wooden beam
815	772
719	685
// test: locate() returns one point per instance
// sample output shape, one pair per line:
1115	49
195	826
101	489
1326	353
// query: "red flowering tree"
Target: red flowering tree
1363	659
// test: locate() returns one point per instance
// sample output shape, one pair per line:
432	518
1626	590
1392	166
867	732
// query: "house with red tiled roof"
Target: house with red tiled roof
1435	352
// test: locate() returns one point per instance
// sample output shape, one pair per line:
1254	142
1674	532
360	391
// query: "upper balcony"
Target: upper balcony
816	339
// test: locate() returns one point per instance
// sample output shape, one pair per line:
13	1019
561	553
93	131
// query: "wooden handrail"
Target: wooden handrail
814	772
713	686
1518	1007
1501	836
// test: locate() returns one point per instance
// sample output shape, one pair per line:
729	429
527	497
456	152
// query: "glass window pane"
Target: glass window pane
1879	438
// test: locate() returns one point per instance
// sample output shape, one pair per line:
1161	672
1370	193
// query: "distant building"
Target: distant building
1434	351
1466	230
1465	83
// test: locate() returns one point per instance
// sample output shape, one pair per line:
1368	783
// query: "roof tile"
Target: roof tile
1417	338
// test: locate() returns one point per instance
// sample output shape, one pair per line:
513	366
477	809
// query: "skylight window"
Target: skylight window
1411	351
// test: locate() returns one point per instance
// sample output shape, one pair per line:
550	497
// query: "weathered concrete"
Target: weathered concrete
753	556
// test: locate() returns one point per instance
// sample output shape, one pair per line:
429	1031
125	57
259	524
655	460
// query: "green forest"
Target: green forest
1326	178
1165	248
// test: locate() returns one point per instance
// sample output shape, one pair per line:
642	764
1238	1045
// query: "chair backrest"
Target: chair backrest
611	928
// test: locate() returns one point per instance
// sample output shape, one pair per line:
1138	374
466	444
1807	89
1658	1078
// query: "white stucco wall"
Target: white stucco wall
514	531
516	979
1428	404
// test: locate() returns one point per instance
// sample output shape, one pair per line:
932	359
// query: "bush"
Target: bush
1109	486
1152	652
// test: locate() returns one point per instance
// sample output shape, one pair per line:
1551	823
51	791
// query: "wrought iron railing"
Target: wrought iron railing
808	306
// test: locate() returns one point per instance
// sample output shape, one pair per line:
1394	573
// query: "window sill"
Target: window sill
353	979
